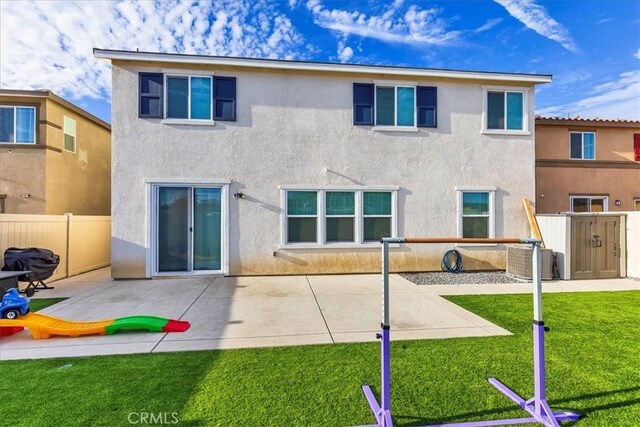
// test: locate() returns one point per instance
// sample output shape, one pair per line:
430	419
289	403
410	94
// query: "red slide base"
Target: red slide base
176	326
5	331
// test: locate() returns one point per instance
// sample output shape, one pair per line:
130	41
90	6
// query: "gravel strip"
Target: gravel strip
470	278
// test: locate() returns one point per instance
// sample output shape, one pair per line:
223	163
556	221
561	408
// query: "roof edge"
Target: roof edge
46	93
124	55
584	121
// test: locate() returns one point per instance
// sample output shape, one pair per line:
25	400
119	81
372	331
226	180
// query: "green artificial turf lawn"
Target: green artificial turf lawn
593	365
36	304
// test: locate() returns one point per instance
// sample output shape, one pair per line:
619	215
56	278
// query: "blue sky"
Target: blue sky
591	47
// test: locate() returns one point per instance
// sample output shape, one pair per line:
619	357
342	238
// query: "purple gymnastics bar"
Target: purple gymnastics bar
537	406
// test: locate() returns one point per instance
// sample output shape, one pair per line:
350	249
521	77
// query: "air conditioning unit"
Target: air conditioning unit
519	262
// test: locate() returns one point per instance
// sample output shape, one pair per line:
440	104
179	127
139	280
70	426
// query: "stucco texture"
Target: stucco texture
296	129
613	173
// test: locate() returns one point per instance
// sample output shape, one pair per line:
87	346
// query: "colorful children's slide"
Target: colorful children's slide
42	326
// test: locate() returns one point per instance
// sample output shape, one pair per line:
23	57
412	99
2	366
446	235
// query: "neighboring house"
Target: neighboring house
55	158
587	165
250	166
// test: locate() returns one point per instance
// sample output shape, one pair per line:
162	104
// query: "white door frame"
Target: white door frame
152	227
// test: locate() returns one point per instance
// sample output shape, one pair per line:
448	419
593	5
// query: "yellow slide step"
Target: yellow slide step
42	326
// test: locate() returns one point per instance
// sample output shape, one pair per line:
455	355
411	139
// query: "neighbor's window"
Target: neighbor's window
340	212
345	216
505	110
189	97
589	203
18	125
476	214
69	134
636	203
583	145
302	216
395	106
376	213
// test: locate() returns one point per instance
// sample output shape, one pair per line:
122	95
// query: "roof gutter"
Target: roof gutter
316	66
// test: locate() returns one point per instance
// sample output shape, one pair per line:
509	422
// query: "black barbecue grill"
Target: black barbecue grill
37	263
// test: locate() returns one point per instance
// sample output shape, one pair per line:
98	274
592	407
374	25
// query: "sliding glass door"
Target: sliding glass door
188	230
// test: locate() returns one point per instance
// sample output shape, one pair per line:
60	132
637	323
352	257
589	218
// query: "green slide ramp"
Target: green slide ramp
149	323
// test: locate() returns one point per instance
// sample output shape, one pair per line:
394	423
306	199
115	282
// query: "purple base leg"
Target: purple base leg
382	411
537	406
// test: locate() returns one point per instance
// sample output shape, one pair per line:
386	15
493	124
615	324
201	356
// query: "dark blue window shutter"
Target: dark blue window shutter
363	102
224	98
150	94
427	106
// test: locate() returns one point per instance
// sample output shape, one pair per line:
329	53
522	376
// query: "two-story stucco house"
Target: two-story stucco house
55	157
250	166
587	165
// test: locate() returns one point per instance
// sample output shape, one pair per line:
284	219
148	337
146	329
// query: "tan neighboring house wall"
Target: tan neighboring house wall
43	178
613	173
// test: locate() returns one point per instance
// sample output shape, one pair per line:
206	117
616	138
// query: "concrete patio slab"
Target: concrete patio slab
239	312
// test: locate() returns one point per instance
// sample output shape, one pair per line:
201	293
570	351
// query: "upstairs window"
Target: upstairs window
583	145
589	203
18	125
187	97
505	110
390	105
636	147
69	132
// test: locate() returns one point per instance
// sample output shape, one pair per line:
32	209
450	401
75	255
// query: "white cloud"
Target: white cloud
345	53
490	24
395	25
637	54
536	18
48	44
615	99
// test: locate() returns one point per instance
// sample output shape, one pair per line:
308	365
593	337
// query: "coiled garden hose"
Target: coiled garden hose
452	261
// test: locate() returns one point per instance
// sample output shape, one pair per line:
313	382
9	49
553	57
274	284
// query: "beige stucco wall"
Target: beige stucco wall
80	182
56	180
613	173
22	167
297	129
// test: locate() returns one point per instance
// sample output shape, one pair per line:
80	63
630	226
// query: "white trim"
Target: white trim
395	128
310	66
182	72
582	145
395	83
195	181
525	110
15	124
476	188
605	202
189	122
339	187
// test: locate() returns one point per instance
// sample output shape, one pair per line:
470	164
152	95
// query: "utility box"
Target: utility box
519	262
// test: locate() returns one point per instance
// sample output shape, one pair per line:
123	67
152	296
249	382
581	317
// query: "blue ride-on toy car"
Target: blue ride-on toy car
13	305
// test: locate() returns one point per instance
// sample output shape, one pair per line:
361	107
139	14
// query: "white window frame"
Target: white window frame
15	123
460	190
605	201
395	85
152	185
525	110
188	121
321	241
64	132
582	138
